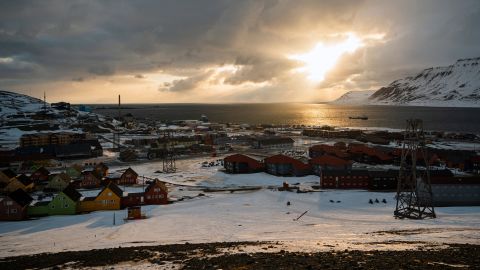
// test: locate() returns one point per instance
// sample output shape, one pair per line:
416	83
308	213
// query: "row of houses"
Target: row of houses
283	165
18	204
42	179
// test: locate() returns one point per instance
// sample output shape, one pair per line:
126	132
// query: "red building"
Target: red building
323	149
101	170
156	193
365	154
133	199
89	180
345	179
239	163
129	177
14	206
286	166
40	175
327	162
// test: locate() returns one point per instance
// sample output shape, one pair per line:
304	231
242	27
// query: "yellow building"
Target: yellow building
108	199
20	182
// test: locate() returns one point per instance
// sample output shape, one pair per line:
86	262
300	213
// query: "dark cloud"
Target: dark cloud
101	70
187	84
57	40
78	79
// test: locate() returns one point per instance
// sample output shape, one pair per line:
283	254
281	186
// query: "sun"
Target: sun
323	57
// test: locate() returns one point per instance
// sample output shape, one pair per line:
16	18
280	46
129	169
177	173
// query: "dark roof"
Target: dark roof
89	198
9	173
75	149
43	171
115	189
25	180
72	193
20	197
131	170
135	194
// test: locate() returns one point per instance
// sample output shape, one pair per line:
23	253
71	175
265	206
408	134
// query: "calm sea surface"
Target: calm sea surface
444	119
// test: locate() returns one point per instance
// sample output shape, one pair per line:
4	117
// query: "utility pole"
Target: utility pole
414	191
116	133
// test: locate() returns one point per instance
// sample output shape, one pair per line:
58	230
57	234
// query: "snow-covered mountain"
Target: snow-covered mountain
354	98
457	85
13	103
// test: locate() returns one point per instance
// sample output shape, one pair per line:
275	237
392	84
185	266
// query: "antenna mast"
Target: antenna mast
414	192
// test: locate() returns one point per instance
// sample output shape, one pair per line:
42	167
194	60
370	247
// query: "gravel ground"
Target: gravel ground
233	256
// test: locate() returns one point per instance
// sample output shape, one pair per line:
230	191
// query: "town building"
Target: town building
64	203
272	142
156	193
14	205
327	162
345	179
109	198
58	182
40	175
282	165
239	163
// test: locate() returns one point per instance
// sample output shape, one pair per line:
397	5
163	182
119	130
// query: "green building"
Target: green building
65	203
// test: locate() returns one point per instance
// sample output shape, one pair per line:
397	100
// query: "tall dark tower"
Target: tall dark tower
44	101
414	192
169	154
116	133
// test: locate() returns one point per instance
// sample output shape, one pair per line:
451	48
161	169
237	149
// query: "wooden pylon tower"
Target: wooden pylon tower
169	154
414	192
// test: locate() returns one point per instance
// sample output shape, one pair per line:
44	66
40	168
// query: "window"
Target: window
53	206
9	203
66	205
109	193
13	211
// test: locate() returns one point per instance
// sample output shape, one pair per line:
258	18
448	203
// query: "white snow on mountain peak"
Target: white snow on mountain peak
457	85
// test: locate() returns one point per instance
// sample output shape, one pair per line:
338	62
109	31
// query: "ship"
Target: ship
362	117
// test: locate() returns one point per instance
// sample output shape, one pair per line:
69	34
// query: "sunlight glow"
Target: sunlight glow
323	57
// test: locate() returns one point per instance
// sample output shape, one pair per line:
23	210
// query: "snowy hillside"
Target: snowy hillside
354	97
456	85
13	103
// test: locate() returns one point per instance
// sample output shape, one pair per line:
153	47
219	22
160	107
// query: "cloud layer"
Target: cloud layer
225	50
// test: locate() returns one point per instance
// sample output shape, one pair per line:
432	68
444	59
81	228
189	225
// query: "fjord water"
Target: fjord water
435	118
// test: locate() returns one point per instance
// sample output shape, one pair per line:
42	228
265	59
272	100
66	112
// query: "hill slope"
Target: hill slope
456	85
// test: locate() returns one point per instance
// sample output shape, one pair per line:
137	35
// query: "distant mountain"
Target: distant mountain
456	85
354	97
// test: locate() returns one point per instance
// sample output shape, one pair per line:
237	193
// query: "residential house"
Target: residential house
74	171
64	203
6	175
156	193
14	206
345	179
40	175
327	162
19	182
89	179
109	198
101	170
58	182
133	199
129	177
282	165
239	163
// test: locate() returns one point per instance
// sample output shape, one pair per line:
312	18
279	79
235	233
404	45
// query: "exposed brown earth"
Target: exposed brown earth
231	256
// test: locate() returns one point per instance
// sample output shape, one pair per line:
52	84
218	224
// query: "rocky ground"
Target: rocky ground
236	255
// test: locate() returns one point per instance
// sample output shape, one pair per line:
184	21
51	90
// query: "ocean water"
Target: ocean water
434	118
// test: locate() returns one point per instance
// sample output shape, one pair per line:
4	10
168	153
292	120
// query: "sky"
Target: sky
226	51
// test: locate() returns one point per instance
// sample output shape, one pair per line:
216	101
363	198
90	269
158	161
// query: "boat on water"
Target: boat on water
363	117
